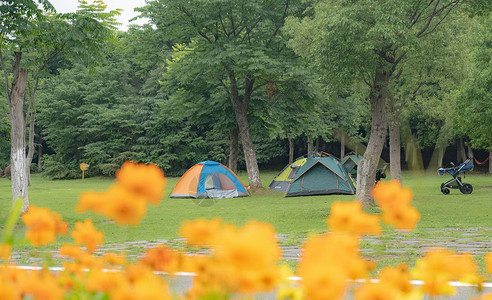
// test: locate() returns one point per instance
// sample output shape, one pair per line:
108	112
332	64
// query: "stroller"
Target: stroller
456	182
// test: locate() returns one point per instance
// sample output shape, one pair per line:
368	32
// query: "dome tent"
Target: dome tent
321	176
351	162
209	179
282	180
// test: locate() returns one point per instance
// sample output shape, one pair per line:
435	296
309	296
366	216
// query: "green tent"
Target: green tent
351	162
321	176
282	180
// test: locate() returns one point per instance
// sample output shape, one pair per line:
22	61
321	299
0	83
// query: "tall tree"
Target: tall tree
474	107
32	36
236	43
367	41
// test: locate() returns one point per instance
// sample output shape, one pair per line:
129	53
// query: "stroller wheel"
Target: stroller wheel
445	191
466	188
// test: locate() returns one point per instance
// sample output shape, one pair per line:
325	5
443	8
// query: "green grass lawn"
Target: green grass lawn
454	221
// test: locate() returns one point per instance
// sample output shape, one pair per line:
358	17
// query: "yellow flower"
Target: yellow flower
143	180
349	217
201	232
484	297
86	234
5	251
43	225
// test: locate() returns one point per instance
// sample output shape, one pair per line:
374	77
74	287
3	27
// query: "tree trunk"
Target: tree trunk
395	150
394	142
291	151
309	145
233	149
366	171
470	152
249	150
441	157
241	110
342	146
18	135
460	152
32	121
40	153
30	152
490	162
318	141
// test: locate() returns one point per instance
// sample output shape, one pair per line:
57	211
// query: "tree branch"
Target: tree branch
275	32
442	19
189	15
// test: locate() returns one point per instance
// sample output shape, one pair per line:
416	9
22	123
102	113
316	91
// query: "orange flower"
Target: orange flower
394	201
138	271
43	225
324	284
242	261
328	261
201	232
397	277
387	193
144	180
401	217
112	258
438	267
100	281
161	259
124	207
86	234
42	285
71	251
488	260
349	217
379	290
153	288
5	252
484	297
8	291
94	201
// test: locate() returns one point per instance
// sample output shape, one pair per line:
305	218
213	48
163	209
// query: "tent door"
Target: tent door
218	185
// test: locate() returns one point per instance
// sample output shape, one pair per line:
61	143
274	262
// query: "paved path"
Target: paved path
475	240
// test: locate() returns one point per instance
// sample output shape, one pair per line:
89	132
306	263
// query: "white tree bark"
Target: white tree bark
18	140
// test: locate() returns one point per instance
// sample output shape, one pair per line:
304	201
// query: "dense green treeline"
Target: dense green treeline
162	92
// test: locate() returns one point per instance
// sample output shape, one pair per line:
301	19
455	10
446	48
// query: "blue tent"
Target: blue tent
209	179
